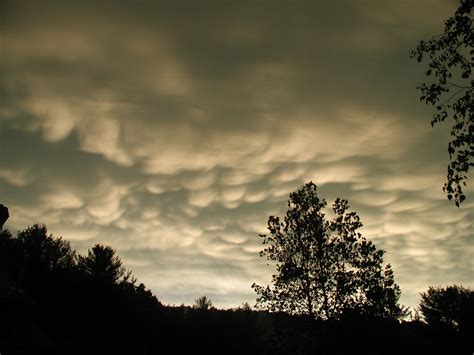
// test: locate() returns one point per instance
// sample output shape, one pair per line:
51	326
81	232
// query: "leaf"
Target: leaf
445	58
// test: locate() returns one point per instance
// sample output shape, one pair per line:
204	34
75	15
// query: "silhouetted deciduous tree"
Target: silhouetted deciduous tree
452	306
102	264
203	303
245	307
451	92
45	252
325	268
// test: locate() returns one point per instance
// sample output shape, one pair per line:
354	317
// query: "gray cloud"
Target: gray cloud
173	130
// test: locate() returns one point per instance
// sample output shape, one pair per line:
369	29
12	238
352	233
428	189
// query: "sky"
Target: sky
172	130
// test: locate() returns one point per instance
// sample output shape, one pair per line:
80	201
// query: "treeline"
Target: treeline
53	298
54	301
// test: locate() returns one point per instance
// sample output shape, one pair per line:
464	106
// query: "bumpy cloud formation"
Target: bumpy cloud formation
172	132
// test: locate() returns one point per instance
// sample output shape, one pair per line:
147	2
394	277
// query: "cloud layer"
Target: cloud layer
171	131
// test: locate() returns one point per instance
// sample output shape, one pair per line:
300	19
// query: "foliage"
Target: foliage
325	268
68	311
43	251
3	215
452	306
43	288
203	303
245	307
10	256
41	254
451	56
102	264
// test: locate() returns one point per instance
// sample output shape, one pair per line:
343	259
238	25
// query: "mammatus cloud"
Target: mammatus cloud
173	138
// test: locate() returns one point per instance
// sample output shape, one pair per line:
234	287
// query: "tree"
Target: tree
3	215
325	268
203	303
44	252
11	259
33	258
245	307
452	306
102	264
451	57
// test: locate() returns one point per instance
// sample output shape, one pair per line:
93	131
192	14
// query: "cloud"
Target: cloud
174	135
15	177
54	119
61	199
101	135
106	207
202	198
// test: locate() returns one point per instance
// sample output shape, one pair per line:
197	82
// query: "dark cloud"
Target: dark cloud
172	130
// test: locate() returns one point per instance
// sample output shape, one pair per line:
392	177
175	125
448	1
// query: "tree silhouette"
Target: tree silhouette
39	256
69	311
11	260
45	252
245	307
102	264
452	306
451	56
325	268
3	215
203	303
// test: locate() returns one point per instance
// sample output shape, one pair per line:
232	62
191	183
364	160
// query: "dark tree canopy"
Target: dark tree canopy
3	215
55	303
203	303
43	251
325	268
452	306
51	305
102	264
451	92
